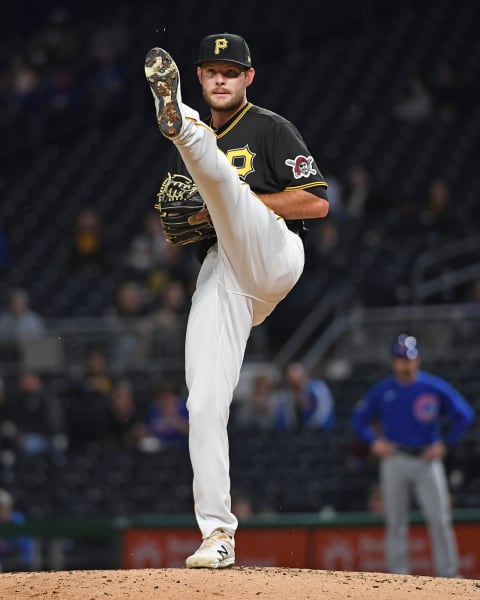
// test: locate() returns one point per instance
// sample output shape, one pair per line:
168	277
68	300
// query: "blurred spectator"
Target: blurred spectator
360	197
86	250
438	219
327	251
64	103
304	402
357	192
108	84
149	249
85	396
43	81
258	411
108	88
19	322
155	262
26	85
129	301
97	375
37	415
131	328
167	416
245	506
124	425
57	42
111	33
416	105
16	553
173	309
167	324
241	504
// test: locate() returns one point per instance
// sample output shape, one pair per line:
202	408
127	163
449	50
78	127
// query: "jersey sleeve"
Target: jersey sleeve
174	163
294	165
457	410
174	166
363	416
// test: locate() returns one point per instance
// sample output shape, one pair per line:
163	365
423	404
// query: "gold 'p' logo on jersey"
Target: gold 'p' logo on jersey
220	44
242	160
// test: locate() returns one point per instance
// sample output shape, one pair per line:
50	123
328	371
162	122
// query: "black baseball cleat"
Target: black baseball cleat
164	79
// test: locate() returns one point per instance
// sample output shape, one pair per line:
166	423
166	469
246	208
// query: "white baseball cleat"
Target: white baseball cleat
164	79
216	551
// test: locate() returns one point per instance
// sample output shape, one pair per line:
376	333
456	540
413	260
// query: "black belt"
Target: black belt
410	450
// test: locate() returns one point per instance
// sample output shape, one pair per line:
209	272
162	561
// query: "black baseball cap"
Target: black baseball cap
405	346
225	47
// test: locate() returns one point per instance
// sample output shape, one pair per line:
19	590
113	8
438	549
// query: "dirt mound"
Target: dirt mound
237	583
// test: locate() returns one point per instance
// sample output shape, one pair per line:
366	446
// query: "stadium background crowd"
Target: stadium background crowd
93	301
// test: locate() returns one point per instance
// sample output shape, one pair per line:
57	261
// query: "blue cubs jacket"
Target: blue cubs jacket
412	415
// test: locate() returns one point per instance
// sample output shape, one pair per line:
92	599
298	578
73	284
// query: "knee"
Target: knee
205	413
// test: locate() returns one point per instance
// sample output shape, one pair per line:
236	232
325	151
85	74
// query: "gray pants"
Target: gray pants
400	475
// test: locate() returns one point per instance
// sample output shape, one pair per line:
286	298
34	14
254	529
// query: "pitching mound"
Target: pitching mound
237	583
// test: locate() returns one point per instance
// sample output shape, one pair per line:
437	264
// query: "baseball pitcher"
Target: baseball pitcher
239	185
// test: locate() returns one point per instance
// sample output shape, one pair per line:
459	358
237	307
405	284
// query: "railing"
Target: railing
423	287
143	344
446	282
130	344
327	313
361	335
445	332
331	303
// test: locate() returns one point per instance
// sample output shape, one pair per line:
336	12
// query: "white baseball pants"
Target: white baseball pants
254	265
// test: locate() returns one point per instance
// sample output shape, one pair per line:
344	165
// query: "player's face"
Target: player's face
224	85
405	370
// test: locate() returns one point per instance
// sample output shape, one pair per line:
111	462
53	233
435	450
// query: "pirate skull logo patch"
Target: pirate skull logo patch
302	166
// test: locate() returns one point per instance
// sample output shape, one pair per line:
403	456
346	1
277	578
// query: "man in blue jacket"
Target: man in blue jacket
16	552
401	420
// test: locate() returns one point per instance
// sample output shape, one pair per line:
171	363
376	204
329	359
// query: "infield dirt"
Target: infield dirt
237	583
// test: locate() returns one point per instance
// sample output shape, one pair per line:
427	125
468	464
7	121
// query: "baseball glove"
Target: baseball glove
178	202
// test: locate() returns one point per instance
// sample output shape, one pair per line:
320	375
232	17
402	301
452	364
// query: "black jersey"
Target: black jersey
269	154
